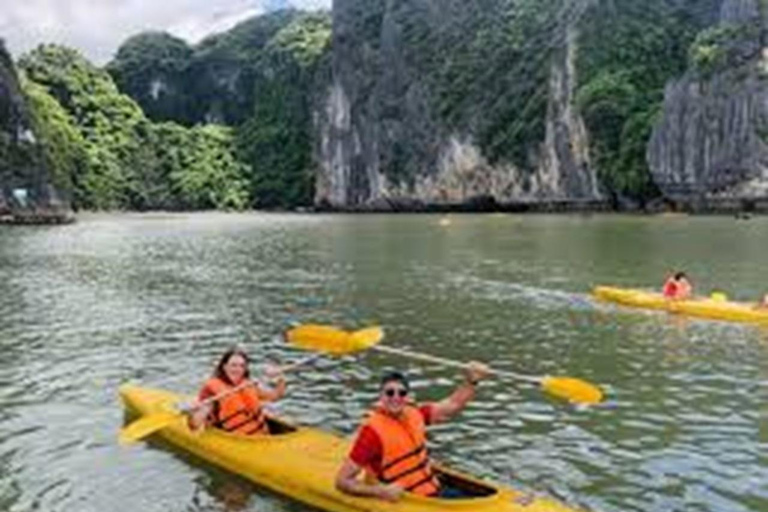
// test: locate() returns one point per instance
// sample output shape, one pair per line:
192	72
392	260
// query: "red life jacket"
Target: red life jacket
670	288
240	412
404	458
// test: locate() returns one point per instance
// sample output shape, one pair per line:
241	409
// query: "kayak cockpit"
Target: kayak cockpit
463	486
279	426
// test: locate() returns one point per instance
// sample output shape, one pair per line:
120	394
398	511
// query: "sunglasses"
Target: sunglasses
400	392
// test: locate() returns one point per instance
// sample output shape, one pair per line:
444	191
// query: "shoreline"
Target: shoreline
739	208
37	218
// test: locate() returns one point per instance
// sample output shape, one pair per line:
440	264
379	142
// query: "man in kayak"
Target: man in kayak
241	410
678	287
390	446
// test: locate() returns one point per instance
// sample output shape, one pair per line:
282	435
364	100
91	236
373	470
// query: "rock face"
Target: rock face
710	143
382	141
26	190
152	68
211	82
566	147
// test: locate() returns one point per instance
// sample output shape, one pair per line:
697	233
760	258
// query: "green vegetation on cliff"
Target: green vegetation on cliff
259	77
63	145
721	47
111	124
628	50
196	167
100	141
103	148
483	68
211	82
485	64
276	139
153	69
495	76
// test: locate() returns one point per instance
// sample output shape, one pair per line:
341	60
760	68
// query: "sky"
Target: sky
98	27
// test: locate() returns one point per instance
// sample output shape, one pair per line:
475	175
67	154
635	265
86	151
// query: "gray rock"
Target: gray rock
27	193
709	147
380	140
739	11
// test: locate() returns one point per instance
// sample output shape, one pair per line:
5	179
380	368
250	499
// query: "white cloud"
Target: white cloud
97	27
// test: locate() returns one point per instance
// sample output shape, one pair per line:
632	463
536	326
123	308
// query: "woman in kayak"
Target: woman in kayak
678	287
390	446
240	411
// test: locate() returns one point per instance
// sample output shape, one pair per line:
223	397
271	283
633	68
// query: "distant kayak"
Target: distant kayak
703	307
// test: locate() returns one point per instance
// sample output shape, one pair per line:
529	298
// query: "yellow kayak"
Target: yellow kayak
701	307
301	463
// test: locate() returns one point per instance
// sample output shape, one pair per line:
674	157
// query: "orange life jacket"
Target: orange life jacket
404	458
240	412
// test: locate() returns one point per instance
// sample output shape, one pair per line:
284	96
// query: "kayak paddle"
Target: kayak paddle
153	422
337	341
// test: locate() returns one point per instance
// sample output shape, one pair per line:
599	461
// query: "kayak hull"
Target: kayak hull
702	307
302	465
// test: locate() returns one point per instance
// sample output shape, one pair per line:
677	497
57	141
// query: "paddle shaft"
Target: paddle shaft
449	362
338	341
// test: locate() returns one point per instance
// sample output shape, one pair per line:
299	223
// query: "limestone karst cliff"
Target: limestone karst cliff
27	188
709	147
433	102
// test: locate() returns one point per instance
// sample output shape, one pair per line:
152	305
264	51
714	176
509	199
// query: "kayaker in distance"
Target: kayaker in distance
241	412
390	445
678	287
763	304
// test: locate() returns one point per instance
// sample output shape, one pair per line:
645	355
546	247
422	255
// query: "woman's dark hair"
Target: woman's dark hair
219	373
679	276
394	377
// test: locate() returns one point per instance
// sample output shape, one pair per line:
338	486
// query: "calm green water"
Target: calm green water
155	299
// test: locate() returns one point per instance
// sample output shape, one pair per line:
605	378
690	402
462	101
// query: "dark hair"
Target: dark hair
679	276
229	354
394	376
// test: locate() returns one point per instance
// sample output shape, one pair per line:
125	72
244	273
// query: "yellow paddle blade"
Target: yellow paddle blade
333	340
146	426
366	338
719	297
573	390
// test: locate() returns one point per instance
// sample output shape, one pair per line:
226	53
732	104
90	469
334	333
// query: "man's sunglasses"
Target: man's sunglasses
400	392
